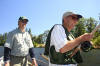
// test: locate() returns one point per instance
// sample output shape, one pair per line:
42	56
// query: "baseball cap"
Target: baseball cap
71	13
22	18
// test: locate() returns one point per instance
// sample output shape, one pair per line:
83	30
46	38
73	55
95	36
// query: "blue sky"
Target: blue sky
43	14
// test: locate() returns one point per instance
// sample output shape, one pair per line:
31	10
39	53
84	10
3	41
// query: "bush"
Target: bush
97	41
2	42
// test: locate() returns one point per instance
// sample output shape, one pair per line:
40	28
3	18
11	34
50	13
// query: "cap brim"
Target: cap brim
79	16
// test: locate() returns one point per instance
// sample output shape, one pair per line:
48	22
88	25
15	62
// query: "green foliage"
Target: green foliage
96	35
84	25
38	45
3	39
37	39
29	31
2	42
90	24
40	39
97	41
79	28
35	44
44	37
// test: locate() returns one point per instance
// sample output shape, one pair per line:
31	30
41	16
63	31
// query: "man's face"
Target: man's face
71	21
22	24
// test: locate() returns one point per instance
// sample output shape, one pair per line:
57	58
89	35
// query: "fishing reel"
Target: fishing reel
86	46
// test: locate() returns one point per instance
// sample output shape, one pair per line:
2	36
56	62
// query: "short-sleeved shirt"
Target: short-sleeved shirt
59	40
19	42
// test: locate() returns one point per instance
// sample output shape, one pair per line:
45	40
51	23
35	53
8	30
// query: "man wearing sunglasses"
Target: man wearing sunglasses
18	45
63	44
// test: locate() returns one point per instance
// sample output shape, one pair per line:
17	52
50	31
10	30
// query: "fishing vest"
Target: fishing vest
62	58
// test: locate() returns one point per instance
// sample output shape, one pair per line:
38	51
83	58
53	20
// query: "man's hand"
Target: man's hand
7	64
34	63
86	37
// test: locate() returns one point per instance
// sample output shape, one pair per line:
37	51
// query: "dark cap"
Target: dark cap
22	18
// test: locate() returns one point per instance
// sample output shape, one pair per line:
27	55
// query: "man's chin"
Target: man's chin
24	26
72	28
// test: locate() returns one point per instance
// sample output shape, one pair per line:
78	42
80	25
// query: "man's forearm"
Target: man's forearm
70	45
7	52
31	52
32	55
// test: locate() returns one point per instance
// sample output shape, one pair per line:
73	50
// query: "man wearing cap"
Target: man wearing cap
63	44
18	45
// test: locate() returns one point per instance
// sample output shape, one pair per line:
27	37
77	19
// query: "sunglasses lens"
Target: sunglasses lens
75	18
24	22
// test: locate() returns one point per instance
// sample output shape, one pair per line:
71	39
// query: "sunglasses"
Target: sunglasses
24	22
75	18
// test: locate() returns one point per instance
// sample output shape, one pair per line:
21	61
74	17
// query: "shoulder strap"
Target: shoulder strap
66	32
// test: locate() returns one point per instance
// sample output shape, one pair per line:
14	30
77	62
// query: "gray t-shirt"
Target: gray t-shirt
19	42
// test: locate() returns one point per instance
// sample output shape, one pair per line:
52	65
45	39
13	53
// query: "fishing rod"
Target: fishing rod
95	29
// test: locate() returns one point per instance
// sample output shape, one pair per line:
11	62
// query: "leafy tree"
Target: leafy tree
90	24
39	39
97	41
79	28
3	39
44	37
